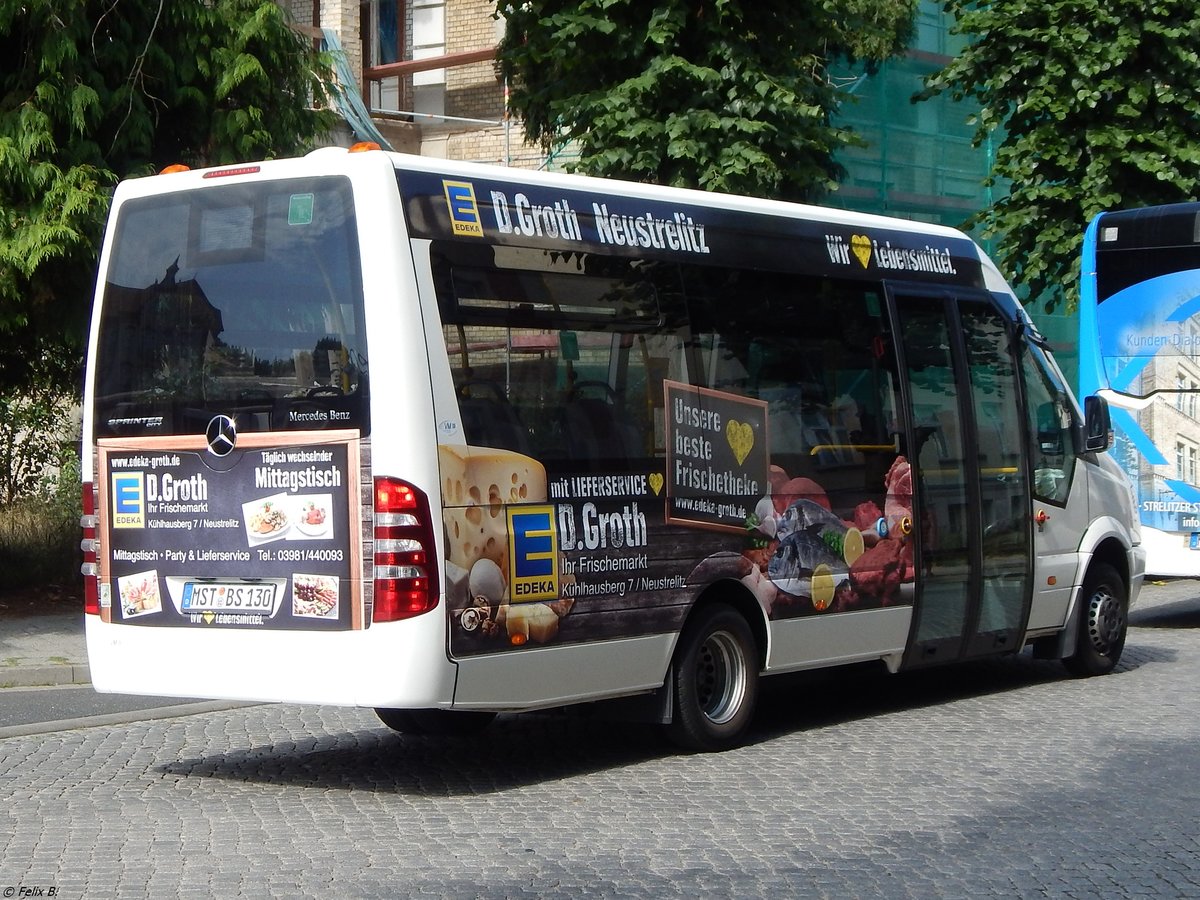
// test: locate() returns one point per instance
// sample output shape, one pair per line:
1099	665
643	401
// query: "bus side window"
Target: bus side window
818	354
560	369
1049	431
613	412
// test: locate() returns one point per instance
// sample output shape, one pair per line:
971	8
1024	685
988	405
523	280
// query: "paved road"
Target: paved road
1001	779
40	705
35	710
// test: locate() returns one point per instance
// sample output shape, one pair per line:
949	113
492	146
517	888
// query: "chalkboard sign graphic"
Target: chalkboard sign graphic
716	457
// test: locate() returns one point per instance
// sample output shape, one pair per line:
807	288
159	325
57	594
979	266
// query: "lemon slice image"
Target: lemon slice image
822	587
852	546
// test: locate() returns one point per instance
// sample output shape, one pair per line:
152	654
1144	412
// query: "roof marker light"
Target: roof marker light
363	147
172	169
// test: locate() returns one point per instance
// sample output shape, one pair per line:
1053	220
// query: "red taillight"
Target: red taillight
406	581
91	549
236	170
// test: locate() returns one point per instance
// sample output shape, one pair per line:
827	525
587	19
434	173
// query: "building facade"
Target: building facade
426	73
918	161
425	70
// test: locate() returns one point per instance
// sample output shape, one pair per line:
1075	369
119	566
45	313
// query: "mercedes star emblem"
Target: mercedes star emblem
221	434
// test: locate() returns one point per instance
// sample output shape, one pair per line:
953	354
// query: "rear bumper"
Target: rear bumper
395	664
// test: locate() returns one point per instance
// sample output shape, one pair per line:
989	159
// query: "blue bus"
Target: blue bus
1139	345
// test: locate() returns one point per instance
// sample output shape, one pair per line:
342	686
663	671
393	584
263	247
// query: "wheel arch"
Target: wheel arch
735	594
711	688
1111	551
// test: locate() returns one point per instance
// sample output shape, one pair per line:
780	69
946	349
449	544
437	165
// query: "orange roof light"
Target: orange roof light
177	167
363	147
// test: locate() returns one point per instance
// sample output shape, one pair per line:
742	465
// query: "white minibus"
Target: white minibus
446	440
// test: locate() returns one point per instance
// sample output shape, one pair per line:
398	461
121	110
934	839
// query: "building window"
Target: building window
1187	461
429	40
382	26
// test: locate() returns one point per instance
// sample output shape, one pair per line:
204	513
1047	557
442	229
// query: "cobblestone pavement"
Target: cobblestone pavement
999	779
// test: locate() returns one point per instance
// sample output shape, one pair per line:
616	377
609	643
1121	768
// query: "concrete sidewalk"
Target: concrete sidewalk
43	650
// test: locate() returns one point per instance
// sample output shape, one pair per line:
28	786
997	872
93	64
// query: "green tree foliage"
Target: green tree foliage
1097	106
728	95
37	438
92	91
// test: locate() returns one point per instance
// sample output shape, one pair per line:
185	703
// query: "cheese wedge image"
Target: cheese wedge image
477	484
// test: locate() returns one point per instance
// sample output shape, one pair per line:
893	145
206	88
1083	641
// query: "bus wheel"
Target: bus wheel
716	680
1103	623
435	722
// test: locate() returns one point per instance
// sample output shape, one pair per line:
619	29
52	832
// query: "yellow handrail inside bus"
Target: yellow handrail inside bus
818	448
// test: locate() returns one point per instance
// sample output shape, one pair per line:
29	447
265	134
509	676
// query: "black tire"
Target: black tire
1103	623
716	680
436	722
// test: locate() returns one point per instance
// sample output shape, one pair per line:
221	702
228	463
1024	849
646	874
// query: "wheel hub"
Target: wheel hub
1105	621
720	677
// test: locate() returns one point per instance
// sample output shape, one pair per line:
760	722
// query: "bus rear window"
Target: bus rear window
241	299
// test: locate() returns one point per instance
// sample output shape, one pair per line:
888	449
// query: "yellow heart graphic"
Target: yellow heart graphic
209	618
861	245
741	439
656	482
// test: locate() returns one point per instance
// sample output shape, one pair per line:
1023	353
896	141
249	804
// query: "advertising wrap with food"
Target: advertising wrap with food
260	538
538	557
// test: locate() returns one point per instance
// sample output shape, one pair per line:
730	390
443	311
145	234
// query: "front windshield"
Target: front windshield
241	299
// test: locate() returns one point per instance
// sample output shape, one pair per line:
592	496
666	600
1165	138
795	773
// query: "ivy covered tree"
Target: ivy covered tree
1095	106
732	95
92	91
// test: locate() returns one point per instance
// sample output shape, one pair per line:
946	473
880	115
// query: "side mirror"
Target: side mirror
1097	425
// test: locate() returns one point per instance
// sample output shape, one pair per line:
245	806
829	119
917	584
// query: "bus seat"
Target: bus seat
493	423
592	430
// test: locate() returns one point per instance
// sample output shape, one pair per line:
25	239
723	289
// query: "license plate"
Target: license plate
205	596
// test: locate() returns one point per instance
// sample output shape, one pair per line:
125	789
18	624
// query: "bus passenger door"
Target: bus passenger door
1060	513
971	528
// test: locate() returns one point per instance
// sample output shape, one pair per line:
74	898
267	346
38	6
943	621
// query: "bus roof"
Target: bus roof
465	201
1172	225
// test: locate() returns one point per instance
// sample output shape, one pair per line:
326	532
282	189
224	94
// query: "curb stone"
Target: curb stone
41	676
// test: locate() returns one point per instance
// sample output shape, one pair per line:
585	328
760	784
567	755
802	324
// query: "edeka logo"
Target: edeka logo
129	500
532	553
464	211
